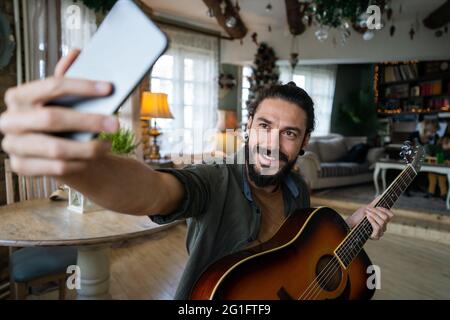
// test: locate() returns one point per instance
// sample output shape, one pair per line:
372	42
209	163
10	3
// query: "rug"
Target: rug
365	193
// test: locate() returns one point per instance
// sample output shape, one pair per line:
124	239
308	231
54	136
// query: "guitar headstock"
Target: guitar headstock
413	155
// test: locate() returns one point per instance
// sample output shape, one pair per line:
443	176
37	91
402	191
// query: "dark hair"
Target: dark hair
291	93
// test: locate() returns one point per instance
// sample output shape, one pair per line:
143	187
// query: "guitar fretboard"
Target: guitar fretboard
355	240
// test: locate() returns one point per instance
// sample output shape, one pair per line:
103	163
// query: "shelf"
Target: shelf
425	78
444	95
444	113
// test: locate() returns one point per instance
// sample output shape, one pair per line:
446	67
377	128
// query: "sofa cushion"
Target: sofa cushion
358	153
331	150
313	147
341	169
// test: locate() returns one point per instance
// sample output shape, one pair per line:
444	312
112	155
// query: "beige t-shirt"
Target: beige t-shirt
272	213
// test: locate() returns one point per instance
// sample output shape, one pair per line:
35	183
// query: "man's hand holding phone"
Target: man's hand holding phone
27	125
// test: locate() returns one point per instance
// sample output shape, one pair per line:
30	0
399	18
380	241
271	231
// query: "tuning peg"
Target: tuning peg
406	147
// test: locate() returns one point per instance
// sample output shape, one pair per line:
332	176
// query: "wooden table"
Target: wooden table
383	165
43	222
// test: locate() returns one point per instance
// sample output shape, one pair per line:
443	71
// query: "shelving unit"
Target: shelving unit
412	88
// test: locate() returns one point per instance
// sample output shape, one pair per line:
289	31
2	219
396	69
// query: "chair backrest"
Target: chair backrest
29	187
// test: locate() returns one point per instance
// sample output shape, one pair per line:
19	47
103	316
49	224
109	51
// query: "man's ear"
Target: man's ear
306	141
249	123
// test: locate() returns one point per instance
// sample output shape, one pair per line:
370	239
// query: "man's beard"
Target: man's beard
262	180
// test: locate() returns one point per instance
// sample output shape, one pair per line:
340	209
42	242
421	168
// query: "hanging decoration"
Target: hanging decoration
264	71
237	7
345	33
392	30
231	22
210	13
255	38
293	61
227	81
412	32
331	15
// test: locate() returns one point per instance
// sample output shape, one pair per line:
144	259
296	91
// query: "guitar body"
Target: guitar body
288	265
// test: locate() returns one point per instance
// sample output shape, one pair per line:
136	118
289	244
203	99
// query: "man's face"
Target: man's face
276	133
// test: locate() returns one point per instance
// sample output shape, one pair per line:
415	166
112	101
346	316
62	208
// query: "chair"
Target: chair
30	267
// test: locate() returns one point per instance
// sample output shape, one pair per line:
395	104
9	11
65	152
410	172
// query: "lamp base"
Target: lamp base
154	151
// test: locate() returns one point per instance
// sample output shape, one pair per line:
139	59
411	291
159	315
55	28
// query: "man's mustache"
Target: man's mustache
281	156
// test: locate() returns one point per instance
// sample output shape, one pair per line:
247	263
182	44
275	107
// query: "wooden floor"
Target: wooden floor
150	268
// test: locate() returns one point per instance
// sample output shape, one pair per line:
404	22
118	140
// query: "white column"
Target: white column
93	262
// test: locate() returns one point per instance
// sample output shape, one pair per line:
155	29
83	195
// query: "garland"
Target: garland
265	71
333	13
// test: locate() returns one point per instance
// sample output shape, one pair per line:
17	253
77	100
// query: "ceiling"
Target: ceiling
254	15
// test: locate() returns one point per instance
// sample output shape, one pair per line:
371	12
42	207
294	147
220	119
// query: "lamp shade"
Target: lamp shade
155	105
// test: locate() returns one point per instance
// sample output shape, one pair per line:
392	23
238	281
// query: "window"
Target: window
319	83
187	73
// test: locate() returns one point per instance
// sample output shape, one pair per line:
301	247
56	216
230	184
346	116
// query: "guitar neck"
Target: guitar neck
355	240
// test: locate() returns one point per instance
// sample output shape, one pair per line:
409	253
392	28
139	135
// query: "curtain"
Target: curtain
319	82
78	24
41	19
188	73
51	28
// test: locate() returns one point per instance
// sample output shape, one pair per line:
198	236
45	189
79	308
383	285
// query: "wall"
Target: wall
228	98
350	79
382	47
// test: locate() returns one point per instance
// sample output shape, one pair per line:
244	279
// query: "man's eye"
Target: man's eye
263	125
290	134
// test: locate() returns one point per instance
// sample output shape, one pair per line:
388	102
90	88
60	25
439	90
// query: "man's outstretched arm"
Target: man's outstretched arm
116	183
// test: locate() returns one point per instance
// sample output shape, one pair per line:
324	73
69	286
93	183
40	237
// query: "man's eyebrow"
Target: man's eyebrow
299	130
294	129
264	120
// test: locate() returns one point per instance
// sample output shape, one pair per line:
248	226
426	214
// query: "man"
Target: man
230	206
427	136
427	133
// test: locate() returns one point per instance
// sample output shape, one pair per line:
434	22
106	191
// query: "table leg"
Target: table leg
376	173
383	178
447	202
93	262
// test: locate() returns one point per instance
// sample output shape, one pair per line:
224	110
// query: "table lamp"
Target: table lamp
153	106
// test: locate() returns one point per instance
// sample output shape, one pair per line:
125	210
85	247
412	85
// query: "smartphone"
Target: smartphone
122	51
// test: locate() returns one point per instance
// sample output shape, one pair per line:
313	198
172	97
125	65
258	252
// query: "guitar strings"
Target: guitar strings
324	273
383	203
367	232
330	267
328	273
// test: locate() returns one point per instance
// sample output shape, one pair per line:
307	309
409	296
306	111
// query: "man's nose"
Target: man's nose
273	139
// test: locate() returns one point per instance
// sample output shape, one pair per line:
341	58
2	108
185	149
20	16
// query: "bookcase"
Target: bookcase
405	88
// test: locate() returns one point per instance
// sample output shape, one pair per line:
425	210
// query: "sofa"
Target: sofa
322	166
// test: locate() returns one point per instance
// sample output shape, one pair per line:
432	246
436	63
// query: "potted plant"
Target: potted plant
123	142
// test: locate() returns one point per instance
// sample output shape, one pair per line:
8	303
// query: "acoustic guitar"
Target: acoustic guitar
312	256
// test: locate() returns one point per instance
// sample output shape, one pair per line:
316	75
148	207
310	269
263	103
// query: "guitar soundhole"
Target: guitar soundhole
328	273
